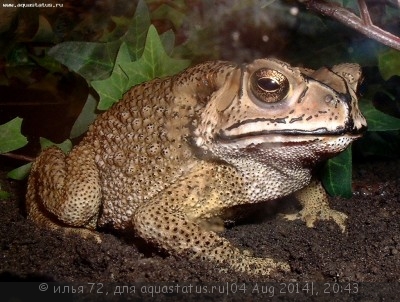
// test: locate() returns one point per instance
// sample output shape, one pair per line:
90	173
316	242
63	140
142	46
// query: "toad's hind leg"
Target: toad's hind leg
174	233
172	221
64	190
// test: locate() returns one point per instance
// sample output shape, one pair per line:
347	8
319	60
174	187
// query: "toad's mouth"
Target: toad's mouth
291	136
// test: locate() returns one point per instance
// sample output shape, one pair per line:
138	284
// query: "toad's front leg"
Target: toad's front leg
315	204
172	221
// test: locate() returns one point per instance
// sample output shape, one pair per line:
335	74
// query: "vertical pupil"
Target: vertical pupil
268	84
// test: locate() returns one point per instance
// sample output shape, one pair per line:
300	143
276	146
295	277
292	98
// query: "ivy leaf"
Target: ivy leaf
45	32
95	60
174	12
336	176
65	146
49	63
111	89
389	63
85	118
154	62
91	60
168	41
20	172
377	120
135	37
120	26
11	137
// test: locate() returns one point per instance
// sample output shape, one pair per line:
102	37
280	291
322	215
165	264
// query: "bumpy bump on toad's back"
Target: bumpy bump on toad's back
177	152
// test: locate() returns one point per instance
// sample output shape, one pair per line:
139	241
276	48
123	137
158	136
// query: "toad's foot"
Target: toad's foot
84	233
243	261
258	266
314	200
68	231
310	217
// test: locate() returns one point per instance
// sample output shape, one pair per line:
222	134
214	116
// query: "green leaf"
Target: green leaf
111	89
85	118
168	41
377	120
20	172
95	61
45	31
336	176
65	146
11	137
49	63
91	60
135	37
153	63
389	63
174	13
121	25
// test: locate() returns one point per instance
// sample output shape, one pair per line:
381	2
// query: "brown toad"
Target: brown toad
177	153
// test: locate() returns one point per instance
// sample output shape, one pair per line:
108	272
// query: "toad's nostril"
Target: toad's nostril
329	98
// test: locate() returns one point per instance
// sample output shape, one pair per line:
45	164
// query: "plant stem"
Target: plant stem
363	24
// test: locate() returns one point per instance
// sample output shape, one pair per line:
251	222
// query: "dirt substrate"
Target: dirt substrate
365	259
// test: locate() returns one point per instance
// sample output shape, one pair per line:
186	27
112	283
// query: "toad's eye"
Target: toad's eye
269	85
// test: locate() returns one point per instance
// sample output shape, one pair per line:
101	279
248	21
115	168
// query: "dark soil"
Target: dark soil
369	250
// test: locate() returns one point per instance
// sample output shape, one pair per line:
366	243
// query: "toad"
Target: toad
178	156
